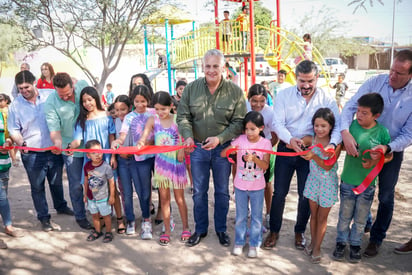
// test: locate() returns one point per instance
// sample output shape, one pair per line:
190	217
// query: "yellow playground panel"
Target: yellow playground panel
277	45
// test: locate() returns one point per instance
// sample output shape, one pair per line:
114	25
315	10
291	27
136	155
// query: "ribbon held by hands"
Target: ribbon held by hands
148	149
372	174
329	161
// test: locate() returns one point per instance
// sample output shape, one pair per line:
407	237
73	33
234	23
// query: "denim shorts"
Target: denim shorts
101	206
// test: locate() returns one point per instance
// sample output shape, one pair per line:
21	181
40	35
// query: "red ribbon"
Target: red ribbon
329	161
372	174
148	149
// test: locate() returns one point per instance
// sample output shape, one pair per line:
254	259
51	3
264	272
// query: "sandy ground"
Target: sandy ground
67	251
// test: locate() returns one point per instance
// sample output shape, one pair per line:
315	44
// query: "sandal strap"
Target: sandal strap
165	237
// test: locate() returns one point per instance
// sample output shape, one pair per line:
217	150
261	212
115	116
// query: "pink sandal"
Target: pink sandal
185	236
164	240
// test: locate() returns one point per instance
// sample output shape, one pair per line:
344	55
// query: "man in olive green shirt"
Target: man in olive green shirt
210	115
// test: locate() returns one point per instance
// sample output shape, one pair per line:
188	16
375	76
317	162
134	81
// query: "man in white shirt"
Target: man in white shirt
396	91
294	110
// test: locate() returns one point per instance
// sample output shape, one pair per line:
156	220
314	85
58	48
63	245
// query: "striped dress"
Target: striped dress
169	172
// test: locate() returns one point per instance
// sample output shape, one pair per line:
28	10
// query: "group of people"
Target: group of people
210	115
214	121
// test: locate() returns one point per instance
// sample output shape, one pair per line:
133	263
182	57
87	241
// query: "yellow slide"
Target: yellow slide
290	76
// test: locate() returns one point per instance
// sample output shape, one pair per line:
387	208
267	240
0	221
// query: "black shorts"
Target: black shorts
225	37
267	175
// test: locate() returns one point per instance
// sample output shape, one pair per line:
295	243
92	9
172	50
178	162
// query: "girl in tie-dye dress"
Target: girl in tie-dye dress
170	168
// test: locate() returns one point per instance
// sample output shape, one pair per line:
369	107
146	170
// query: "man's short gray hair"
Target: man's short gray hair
214	52
26	65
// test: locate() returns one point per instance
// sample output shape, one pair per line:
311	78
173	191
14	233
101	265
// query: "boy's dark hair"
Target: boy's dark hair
91	143
342	75
282	72
24	77
374	101
245	7
181	83
226	12
109	85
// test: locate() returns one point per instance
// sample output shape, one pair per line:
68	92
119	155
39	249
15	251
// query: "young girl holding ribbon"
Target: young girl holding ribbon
170	168
93	123
122	107
141	166
257	97
321	186
250	181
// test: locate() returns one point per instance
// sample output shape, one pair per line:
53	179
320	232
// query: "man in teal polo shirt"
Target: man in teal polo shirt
62	110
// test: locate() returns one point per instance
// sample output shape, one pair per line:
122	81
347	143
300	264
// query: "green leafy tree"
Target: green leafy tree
262	17
72	27
9	42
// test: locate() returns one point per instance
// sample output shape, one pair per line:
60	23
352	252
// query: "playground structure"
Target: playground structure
278	46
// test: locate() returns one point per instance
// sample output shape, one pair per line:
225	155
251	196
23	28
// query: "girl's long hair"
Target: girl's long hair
91	91
256	118
327	115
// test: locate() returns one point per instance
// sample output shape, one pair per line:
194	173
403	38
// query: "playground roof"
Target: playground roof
172	14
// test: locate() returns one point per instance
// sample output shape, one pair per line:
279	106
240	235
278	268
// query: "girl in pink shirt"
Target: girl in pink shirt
250	181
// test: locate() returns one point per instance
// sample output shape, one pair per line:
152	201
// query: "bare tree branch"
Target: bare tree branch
70	27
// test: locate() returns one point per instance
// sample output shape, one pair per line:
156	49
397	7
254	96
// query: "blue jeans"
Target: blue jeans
125	169
356	208
388	177
284	169
201	163
141	174
256	206
4	201
74	170
39	166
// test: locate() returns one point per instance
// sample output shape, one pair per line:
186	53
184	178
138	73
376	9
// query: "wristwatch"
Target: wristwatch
388	149
334	145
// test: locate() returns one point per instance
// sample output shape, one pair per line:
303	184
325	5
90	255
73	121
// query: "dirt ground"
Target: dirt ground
67	251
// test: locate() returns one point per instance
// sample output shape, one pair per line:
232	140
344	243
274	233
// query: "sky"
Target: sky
375	22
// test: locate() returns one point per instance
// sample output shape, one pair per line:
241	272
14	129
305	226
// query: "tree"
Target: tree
327	33
9	42
262	15
71	27
362	4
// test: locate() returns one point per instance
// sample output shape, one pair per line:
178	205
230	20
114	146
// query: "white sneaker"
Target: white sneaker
130	228
172	225
237	250
253	253
146	233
